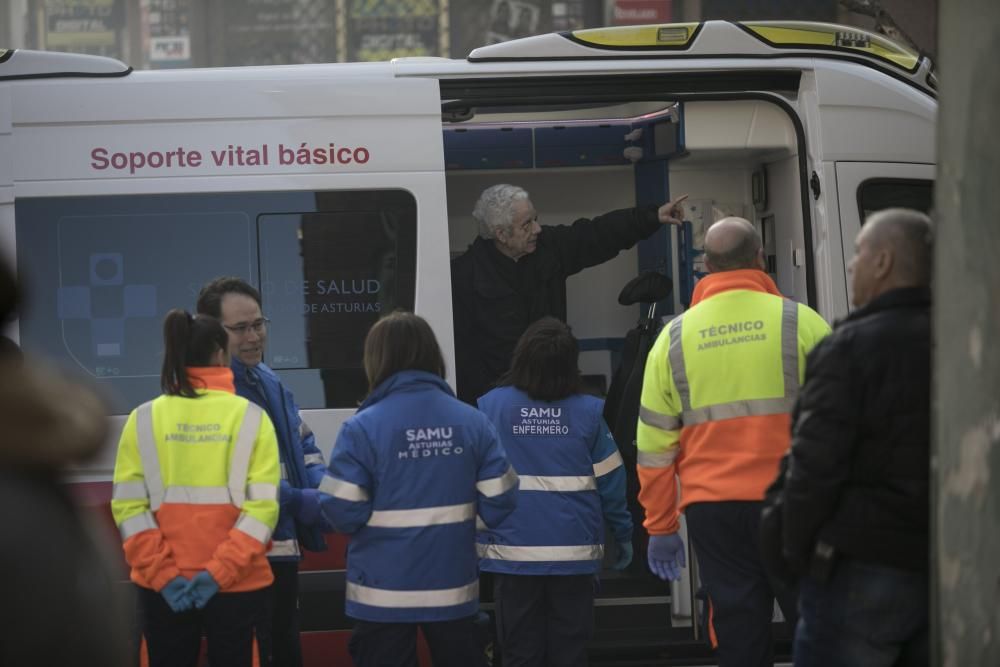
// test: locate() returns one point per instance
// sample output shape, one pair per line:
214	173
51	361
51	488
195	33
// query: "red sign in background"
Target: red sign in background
638	12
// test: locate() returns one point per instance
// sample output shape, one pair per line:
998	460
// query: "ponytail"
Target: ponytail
188	341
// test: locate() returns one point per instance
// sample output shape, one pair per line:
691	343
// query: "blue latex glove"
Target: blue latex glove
290	498
202	588
666	556
175	593
624	556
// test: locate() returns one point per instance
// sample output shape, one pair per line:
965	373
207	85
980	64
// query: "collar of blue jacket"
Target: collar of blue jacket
405	381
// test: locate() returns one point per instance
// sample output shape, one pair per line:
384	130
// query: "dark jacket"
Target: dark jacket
859	468
495	298
302	464
61	603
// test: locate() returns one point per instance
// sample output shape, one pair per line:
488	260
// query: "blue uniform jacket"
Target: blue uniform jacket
302	464
571	479
408	476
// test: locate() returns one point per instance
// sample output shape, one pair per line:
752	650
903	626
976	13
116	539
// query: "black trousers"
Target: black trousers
285	626
236	625
452	643
726	540
544	621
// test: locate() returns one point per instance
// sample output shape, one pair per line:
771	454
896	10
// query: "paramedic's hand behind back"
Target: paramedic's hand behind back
666	556
175	593
202	588
672	213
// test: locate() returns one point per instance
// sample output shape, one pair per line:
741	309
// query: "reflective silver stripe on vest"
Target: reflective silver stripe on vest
253	527
540	554
239	464
382	597
312	459
757	407
480	524
658	419
750	408
146	440
423	516
198	495
262	491
338	488
137	524
609	464
657	459
284	472
497	485
557	483
790	346
284	548
129	491
676	355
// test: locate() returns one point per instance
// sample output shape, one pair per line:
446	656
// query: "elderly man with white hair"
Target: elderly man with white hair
515	273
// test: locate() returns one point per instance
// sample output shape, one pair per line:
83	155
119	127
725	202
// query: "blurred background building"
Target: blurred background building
209	33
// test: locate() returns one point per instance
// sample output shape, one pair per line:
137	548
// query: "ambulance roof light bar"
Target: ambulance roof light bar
706	39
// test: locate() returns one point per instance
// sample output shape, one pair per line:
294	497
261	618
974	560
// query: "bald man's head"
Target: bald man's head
732	244
894	249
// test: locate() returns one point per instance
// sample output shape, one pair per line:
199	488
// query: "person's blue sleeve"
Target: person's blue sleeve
609	471
496	479
348	485
312	457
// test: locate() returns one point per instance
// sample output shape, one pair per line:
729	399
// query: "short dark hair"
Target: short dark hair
188	341
401	341
211	295
545	363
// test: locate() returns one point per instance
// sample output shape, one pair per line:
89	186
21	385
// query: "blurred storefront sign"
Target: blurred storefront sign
81	25
166	33
639	12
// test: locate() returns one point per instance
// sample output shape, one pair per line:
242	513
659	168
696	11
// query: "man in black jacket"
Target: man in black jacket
856	494
515	273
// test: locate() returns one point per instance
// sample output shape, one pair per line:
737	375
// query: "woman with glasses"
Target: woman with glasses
409	475
196	499
545	555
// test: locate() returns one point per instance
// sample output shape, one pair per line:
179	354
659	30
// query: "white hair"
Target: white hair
494	210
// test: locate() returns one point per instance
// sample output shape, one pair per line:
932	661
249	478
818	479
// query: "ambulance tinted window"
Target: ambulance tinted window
101	272
881	193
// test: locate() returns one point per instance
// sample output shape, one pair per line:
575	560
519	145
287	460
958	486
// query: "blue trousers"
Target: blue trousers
726	540
866	615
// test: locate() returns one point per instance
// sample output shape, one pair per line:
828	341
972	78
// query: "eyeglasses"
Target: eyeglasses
257	326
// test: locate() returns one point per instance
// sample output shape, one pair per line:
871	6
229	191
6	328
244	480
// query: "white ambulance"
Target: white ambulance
343	190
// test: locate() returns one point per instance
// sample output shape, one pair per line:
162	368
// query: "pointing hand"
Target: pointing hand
672	213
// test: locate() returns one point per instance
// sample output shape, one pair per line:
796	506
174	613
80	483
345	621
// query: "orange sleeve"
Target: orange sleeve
658	496
151	559
233	560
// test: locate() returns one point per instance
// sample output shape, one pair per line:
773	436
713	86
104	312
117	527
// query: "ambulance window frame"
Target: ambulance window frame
864	191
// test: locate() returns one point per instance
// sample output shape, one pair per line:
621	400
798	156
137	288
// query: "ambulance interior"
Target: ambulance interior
731	157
